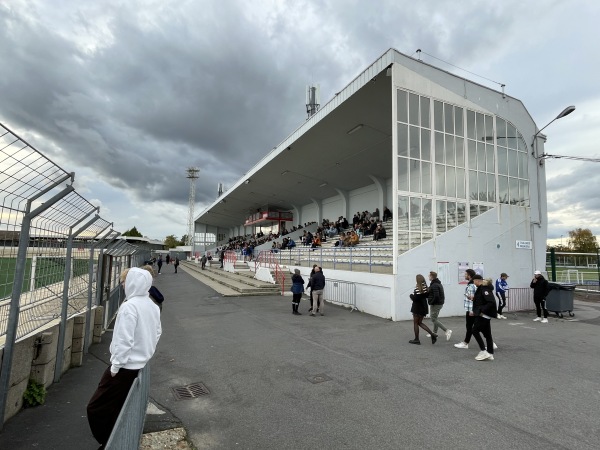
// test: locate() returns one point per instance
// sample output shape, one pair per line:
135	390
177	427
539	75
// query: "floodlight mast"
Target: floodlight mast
192	175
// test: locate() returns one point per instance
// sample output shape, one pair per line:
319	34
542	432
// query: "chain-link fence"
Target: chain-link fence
58	257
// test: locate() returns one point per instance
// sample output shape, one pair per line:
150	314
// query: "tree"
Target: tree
133	233
171	241
184	239
582	240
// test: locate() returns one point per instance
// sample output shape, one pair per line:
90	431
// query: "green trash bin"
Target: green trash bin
560	298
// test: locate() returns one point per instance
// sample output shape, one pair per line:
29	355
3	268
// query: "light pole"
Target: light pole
561	236
565	112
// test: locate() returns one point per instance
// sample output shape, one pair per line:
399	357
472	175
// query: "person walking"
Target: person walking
484	309
203	261
168	259
468	305
160	263
312	272
419	310
176	263
540	290
318	285
501	291
136	334
436	300
297	290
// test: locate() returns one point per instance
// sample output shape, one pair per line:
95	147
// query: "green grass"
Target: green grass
48	271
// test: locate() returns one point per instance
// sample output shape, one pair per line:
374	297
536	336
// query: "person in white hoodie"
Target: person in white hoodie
135	336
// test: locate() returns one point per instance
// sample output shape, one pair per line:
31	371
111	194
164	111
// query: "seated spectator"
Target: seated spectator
316	242
387	214
340	241
332	231
354	239
375	214
379	233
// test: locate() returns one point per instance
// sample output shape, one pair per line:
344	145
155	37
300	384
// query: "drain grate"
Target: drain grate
194	390
320	378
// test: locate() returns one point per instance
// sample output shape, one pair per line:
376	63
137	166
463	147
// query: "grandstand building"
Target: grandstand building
457	163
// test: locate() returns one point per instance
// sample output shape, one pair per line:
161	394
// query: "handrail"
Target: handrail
267	259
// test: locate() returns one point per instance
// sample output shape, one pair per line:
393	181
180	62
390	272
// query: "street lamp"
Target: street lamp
565	112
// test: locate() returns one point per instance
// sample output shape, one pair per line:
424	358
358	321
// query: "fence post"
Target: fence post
13	314
62	325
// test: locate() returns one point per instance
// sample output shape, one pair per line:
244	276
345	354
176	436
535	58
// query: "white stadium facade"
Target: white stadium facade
457	163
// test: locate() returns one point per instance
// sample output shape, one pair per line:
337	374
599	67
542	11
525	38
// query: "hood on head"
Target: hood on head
137	283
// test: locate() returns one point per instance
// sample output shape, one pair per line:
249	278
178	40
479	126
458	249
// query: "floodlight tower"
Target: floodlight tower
192	175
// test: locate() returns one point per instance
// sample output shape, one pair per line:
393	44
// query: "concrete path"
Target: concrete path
343	381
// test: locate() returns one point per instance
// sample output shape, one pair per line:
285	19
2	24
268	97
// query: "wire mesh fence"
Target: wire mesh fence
58	257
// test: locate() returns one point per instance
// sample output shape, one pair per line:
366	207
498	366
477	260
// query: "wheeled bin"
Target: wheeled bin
560	298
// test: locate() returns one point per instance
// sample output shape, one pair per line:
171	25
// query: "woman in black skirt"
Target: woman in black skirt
420	310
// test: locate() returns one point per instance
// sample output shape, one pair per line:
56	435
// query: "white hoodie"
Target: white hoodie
137	328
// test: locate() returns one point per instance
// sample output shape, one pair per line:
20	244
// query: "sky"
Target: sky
128	95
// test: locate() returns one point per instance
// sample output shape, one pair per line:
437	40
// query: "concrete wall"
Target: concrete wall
34	357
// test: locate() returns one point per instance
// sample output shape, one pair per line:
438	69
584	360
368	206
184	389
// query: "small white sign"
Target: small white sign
527	245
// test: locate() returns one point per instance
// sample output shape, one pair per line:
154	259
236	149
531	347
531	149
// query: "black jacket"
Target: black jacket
317	281
436	293
484	301
540	288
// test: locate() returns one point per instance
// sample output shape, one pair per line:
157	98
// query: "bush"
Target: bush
35	394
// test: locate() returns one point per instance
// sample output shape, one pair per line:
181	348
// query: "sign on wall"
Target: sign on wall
443	271
527	245
462	268
478	268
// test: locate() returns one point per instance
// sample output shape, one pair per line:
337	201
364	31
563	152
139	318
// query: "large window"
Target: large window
453	164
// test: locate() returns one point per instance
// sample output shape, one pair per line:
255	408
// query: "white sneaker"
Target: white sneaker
482	355
544	320
500	316
537	319
428	335
448	334
495	346
491	358
461	345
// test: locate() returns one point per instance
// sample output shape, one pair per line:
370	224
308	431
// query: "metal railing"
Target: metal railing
128	429
519	299
57	255
341	292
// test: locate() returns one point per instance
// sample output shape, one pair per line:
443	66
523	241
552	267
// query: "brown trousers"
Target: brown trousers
106	403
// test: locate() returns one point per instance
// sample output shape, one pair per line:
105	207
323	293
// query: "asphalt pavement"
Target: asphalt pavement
346	380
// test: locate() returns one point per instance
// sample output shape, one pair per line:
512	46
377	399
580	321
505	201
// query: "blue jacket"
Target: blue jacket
501	285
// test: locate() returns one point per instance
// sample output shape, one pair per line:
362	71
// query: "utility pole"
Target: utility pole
192	175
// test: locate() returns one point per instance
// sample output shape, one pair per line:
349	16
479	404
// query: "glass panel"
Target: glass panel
402	140
484	208
489	129
503	189
450	150
460	183
461	212
501	131
479	125
415	239
451	217
415	175
402	106
511	134
458	121
426	220
415	214
438	115
414	142
449	118
440	216
502	163
521	143
512	163
426	178
425	112
474	211
480	156
460	152
440	180
513	189
413	109
470	124
491	187
426	145
473	189
482	179
472	156
439	147
524	189
402	241
450	181
426	237
489	158
402	174
402	212
522	162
